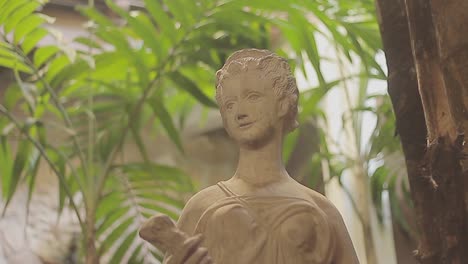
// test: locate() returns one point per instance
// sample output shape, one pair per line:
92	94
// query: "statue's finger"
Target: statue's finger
197	256
188	248
207	260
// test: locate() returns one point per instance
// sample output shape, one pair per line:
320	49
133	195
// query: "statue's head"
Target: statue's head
257	95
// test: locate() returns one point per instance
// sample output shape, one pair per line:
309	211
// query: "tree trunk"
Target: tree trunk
451	25
428	79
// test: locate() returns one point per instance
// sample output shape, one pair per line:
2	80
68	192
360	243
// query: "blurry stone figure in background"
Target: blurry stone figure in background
260	215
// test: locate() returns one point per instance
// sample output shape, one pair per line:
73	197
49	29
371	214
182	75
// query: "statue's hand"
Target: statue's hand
191	252
162	233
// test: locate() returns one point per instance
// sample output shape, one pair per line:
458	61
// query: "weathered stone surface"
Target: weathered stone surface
260	215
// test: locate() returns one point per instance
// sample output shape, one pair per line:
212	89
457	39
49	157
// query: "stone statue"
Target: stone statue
261	215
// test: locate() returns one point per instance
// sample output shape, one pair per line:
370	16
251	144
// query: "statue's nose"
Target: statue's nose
241	116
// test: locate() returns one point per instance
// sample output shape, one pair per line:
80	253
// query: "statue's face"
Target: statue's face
249	108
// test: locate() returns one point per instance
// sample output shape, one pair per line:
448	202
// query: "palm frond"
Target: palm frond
139	191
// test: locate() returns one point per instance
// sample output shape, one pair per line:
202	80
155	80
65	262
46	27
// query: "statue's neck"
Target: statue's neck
261	166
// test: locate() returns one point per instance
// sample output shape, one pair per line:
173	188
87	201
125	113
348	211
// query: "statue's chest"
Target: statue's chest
266	230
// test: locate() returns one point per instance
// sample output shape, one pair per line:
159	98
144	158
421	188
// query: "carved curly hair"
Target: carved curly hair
273	67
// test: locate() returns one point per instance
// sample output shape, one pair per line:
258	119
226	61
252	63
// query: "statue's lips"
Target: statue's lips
246	125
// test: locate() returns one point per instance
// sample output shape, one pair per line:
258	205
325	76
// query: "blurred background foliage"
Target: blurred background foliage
148	66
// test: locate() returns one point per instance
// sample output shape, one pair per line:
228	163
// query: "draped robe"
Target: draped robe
250	229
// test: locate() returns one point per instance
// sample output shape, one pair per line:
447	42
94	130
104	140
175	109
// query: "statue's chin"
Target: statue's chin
255	139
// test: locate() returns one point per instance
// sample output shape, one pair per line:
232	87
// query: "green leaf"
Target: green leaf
6	164
108	204
27	90
160	174
28	25
19	164
31	40
310	99
139	142
96	16
378	183
117	39
313	54
116	233
33	169
12	60
9	7
44	53
333	27
119	253
182	15
289	144
71	72
2	3
118	212
59	162
134	257
141	25
166	120
12	96
145	31
56	65
263	5
164	23
290	32
19	14
191	87
89	42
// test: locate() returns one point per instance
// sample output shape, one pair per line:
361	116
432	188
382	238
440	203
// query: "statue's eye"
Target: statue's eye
253	97
229	105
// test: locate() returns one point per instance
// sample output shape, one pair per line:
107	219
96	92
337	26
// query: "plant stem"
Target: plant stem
90	237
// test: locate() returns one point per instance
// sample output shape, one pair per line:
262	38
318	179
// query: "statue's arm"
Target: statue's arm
344	249
195	208
188	220
186	224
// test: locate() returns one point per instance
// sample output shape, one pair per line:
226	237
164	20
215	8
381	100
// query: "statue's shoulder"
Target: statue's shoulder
344	251
315	197
203	199
326	205
196	206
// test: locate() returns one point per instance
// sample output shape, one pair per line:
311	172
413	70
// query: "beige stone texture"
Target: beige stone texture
260	215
